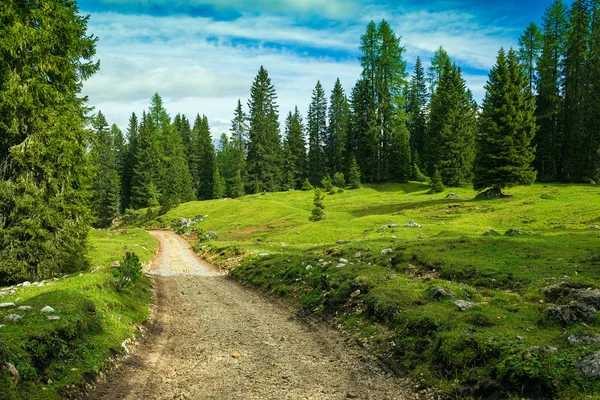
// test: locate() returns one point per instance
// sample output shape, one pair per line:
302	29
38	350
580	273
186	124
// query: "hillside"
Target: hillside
395	287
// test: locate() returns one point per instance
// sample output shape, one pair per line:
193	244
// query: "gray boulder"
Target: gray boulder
542	349
464	305
7	305
492	232
594	227
12	318
412	224
452	196
583	339
514	232
53	318
358	255
440	293
47	310
343	261
24	308
588	296
589	366
387	252
573	313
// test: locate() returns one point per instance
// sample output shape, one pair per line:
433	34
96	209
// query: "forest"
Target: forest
64	168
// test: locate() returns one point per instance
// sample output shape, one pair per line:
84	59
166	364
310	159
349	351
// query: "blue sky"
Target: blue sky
202	55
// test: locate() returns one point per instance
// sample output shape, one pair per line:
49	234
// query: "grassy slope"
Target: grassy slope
94	321
478	351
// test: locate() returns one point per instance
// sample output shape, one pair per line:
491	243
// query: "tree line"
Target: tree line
61	170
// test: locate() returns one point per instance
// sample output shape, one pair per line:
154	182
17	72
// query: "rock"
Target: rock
452	196
440	293
12	318
387	252
47	310
26	283
341	265
236	355
573	313
309	268
412	224
594	227
358	255
24	308
489	194
53	318
341	241
555	292
391	226
7	305
263	254
588	296
583	339
542	349
492	232
343	261
383	228
2	326
464	305
211	235
14	373
355	293
589	366
513	232
3	294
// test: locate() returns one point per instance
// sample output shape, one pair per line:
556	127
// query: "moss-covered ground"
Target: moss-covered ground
94	321
386	299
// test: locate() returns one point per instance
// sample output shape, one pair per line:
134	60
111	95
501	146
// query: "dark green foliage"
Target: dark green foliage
129	271
326	183
437	185
318	213
317	128
295	167
354	174
504	153
144	191
105	182
264	143
439	61
530	47
129	161
592	152
239	142
416	113
306	185
46	54
339	180
206	177
337	131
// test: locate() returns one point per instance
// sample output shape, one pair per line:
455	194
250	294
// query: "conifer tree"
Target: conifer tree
105	182
437	185
318	213
182	125
363	133
336	139
317	128
47	54
549	100
144	190
508	125
239	141
295	150
417	117
264	159
207	178
439	61
354	174
592	152
121	153
530	47
129	161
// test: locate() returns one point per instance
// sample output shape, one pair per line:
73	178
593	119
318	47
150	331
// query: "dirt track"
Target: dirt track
214	339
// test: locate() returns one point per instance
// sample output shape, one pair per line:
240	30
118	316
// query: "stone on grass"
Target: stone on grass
26	283
47	310
514	232
7	305
14	373
53	317
440	293
573	313
263	254
343	261
412	224
588	296
358	255
341	265
594	227
492	232
309	267
355	293
452	196
391	226
12	318
2	326
542	349
583	339
24	308
464	305
387	252
589	366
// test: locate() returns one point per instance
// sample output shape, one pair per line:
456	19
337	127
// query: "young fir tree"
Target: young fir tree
105	182
317	128
207	178
47	54
335	140
121	151
354	174
295	149
530	47
549	100
183	126
592	152
144	190
437	185
417	117
264	159
504	152
239	141
318	211
129	161
363	133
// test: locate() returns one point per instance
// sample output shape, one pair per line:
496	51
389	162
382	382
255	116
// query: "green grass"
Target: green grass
95	319
480	351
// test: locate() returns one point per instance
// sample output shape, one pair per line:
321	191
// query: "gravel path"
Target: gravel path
214	339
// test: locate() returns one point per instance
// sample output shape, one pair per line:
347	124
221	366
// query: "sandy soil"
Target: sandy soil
214	339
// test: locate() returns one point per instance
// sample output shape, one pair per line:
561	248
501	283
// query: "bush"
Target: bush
339	180
128	271
326	183
306	185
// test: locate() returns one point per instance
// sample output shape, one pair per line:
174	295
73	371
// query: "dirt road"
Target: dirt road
214	339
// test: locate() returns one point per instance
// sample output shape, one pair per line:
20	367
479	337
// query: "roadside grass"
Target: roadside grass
500	347
94	321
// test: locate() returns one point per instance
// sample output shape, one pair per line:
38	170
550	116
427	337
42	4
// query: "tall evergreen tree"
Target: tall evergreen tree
337	131
183	126
129	161
264	159
226	163
363	132
120	148
530	47
47	54
317	128
105	182
207	178
295	150
592	152
439	61
549	100
239	141
417	114
508	125
146	167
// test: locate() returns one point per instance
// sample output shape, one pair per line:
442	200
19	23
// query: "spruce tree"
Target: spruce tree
317	128
592	152
530	47
47	54
354	174
439	61
239	141
182	125
504	152
437	185
264	159
337	130
129	161
144	189
417	117
549	100
295	150
207	178
318	213
363	132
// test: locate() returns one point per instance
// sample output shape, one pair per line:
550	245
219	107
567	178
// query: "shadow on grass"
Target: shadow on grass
415	205
407	188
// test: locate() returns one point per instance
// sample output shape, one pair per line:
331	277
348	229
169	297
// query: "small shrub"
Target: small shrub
339	180
327	183
306	185
437	185
128	271
354	174
318	213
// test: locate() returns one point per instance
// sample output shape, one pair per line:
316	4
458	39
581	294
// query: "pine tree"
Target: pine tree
508	125
120	148
354	174
437	185
336	139
295	150
144	190
182	125
417	117
549	100
592	152
317	128
439	61
105	183
239	141
129	161
318	213
530	47
363	133
264	159
206	177
47	54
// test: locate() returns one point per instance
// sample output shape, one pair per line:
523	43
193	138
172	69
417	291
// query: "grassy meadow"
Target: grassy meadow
502	347
94	321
